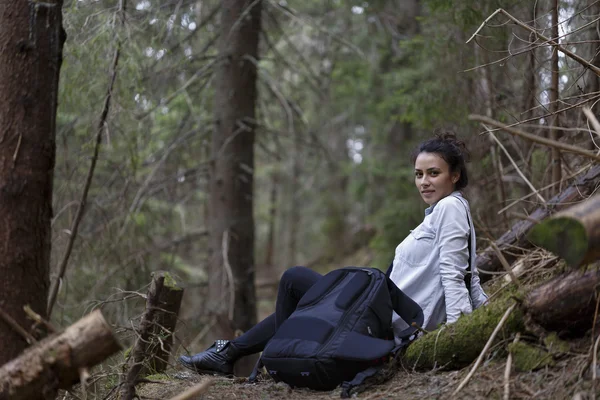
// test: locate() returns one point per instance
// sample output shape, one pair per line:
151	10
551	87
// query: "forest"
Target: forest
169	151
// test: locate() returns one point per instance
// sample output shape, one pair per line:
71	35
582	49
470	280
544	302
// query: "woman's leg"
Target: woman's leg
293	284
220	357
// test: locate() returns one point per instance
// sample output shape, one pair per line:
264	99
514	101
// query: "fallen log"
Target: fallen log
514	239
455	346
54	363
572	234
565	304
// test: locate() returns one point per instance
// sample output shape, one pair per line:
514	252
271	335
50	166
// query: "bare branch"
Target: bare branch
536	139
551	42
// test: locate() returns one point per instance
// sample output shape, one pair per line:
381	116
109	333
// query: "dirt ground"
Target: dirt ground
569	378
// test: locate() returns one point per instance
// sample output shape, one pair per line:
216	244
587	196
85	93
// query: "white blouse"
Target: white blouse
431	263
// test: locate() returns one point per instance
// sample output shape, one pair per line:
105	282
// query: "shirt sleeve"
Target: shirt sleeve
450	219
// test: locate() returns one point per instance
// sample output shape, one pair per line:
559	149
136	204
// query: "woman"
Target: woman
429	266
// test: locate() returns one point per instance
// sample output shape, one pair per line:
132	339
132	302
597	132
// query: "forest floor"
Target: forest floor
568	378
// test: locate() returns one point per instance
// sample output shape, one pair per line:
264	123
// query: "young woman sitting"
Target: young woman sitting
431	265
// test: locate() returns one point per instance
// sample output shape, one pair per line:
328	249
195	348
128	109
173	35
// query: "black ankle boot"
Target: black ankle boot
217	359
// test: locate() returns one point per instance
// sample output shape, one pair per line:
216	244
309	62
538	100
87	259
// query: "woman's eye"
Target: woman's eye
434	173
418	175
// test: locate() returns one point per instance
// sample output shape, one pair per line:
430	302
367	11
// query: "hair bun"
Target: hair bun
450	137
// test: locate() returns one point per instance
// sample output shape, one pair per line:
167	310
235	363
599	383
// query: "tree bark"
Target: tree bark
554	95
566	304
232	167
54	363
164	324
31	39
572	234
145	350
514	241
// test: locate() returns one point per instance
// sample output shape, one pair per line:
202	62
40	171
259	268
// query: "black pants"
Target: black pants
293	284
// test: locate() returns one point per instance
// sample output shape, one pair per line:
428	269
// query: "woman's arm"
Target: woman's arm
450	219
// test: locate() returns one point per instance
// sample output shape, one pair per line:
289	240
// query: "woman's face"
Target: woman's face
433	177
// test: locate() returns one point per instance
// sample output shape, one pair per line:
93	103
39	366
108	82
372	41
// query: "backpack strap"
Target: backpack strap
359	379
406	308
469	274
253	378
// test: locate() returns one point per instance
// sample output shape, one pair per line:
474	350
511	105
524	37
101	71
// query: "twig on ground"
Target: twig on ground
414	325
485	348
507	371
194	390
536	139
17	328
38	318
505	264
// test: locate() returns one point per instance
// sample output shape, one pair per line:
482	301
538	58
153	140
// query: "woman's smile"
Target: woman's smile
433	177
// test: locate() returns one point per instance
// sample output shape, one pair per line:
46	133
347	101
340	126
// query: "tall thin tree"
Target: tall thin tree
232	166
554	96
31	39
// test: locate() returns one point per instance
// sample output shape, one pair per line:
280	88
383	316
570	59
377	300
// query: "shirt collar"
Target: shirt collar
429	209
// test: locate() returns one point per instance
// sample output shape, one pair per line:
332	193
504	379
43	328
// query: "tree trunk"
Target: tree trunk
566	304
55	362
514	241
139	352
232	169
31	39
554	95
573	234
165	322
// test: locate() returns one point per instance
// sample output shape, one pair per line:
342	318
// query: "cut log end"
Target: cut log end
563	236
572	234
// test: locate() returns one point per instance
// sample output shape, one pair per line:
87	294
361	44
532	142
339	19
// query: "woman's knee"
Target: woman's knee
292	274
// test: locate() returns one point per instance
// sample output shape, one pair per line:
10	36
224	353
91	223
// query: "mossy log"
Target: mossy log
516	237
55	362
565	304
456	345
572	234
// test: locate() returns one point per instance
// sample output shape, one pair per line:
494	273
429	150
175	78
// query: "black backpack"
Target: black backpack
341	326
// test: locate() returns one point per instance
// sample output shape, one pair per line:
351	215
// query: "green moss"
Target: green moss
564	236
456	345
529	358
555	345
158	377
170	282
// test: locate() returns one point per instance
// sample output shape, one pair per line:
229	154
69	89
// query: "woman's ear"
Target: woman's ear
455	177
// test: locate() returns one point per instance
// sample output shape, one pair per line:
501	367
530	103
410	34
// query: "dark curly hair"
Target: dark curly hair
452	150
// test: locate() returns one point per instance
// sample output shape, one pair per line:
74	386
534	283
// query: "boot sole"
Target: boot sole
205	372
